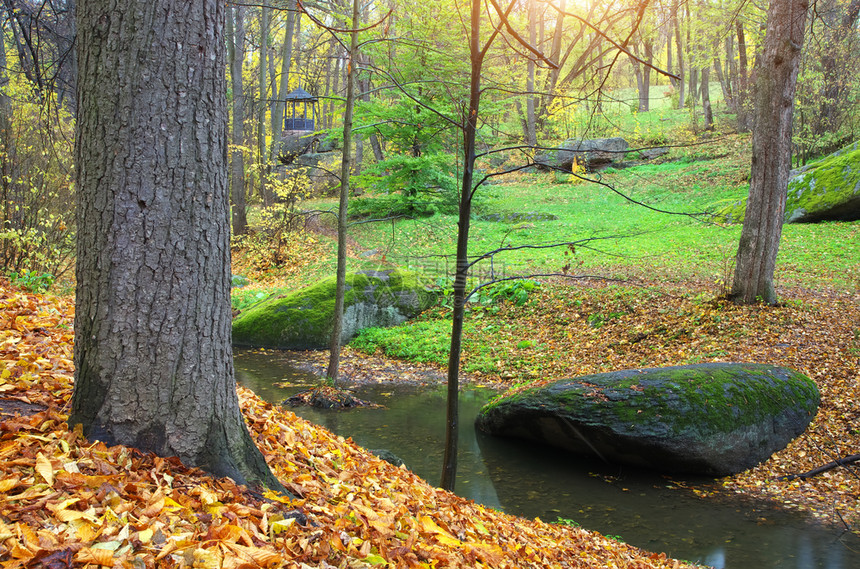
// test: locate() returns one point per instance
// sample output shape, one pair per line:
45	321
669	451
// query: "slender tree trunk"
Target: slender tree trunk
531	134
743	90
235	56
470	128
153	361
284	83
725	82
340	287
693	88
555	50
262	105
375	146
706	99
776	79
680	53
645	88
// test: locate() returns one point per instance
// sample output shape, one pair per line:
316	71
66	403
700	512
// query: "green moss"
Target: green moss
304	319
718	397
820	187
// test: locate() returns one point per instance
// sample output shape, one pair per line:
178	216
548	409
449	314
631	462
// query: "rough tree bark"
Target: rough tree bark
153	361
776	79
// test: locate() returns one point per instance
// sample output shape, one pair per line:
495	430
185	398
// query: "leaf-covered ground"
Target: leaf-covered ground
67	502
565	331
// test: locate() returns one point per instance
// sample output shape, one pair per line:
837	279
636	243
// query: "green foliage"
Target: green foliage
279	238
567	522
32	281
423	341
36	183
514	291
419	164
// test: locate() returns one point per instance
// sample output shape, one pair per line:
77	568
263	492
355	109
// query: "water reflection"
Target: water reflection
644	509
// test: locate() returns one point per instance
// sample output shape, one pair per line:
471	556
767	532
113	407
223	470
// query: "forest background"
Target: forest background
412	73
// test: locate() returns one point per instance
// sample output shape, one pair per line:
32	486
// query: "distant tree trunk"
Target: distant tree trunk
645	87
235	56
672	80
776	79
835	87
706	99
153	361
340	288
693	88
743	90
531	134
555	50
725	83
679	52
733	81
284	83
375	146
262	105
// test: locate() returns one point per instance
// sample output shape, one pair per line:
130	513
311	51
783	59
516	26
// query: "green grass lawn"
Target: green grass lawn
619	237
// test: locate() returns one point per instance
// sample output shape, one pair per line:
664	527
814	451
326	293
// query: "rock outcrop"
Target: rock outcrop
304	320
713	419
592	154
827	190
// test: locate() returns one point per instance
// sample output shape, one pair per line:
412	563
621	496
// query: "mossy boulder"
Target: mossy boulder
713	419
304	320
827	190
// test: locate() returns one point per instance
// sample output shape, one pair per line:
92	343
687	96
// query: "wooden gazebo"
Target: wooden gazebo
300	110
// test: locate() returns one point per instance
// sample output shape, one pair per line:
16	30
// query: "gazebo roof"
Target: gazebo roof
300	94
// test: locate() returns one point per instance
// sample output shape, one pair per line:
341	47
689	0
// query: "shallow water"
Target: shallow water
643	508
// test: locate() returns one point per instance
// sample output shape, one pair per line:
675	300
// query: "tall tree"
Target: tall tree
263	103
776	79
235	57
333	368
284	79
153	361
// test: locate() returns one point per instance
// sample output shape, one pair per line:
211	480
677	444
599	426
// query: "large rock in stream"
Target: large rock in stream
713	419
304	320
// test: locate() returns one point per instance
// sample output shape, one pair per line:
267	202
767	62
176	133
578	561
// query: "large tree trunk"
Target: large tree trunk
776	78
236	55
153	361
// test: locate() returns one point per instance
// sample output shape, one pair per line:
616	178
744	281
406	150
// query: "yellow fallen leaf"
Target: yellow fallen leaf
145	535
45	469
102	557
8	484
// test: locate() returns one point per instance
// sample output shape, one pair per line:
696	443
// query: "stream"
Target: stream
641	508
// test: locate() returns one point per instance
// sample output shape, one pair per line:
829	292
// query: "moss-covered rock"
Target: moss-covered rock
828	190
304	320
714	419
